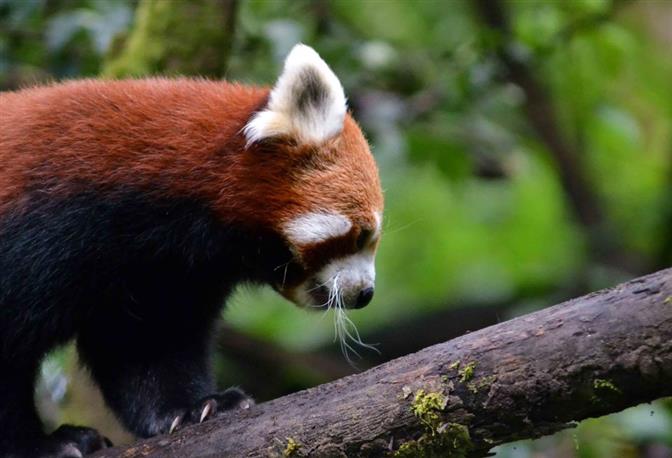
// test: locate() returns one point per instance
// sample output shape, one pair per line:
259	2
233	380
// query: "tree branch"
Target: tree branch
524	378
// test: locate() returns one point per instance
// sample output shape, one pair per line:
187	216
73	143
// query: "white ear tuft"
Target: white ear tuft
307	102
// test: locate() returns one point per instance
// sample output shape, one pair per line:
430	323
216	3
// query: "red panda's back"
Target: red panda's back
133	132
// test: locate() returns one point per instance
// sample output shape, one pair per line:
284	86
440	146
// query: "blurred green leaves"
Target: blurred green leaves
42	39
101	24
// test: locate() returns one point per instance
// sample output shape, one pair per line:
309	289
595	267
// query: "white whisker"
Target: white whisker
387	230
284	275
281	265
345	330
317	286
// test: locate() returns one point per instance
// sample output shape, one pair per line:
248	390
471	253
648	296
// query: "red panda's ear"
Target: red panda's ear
306	103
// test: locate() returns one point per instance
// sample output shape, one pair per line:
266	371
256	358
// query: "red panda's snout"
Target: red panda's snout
331	218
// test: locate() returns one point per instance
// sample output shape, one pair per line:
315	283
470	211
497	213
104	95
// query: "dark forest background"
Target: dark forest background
525	149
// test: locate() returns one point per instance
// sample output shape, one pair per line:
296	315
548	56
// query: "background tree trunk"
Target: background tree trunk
164	39
524	378
567	157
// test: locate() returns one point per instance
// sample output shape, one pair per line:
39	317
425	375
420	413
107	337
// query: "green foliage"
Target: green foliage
40	39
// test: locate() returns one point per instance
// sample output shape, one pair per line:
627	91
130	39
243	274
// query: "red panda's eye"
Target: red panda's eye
363	239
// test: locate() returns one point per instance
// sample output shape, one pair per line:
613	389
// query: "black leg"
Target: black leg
21	427
151	354
156	389
22	435
147	379
84	440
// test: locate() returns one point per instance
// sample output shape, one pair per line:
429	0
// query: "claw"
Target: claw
72	451
176	422
207	410
245	404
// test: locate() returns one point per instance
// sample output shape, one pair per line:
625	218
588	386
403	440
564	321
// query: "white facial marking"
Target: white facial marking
317	227
379	223
307	101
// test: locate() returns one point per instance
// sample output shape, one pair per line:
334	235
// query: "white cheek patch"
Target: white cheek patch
314	228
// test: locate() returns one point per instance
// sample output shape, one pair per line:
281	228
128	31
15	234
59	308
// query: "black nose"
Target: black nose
364	298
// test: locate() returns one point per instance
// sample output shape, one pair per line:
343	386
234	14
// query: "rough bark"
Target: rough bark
523	378
257	360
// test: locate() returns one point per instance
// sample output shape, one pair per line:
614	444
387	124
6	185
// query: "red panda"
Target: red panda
129	210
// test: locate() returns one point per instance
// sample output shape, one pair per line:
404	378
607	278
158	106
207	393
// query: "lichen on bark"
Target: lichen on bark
440	438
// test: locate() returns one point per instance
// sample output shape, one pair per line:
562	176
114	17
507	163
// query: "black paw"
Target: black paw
210	406
73	442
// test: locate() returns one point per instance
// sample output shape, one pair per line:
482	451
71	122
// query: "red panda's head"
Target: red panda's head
328	203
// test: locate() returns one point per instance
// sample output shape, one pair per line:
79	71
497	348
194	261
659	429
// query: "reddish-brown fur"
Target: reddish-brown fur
179	137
